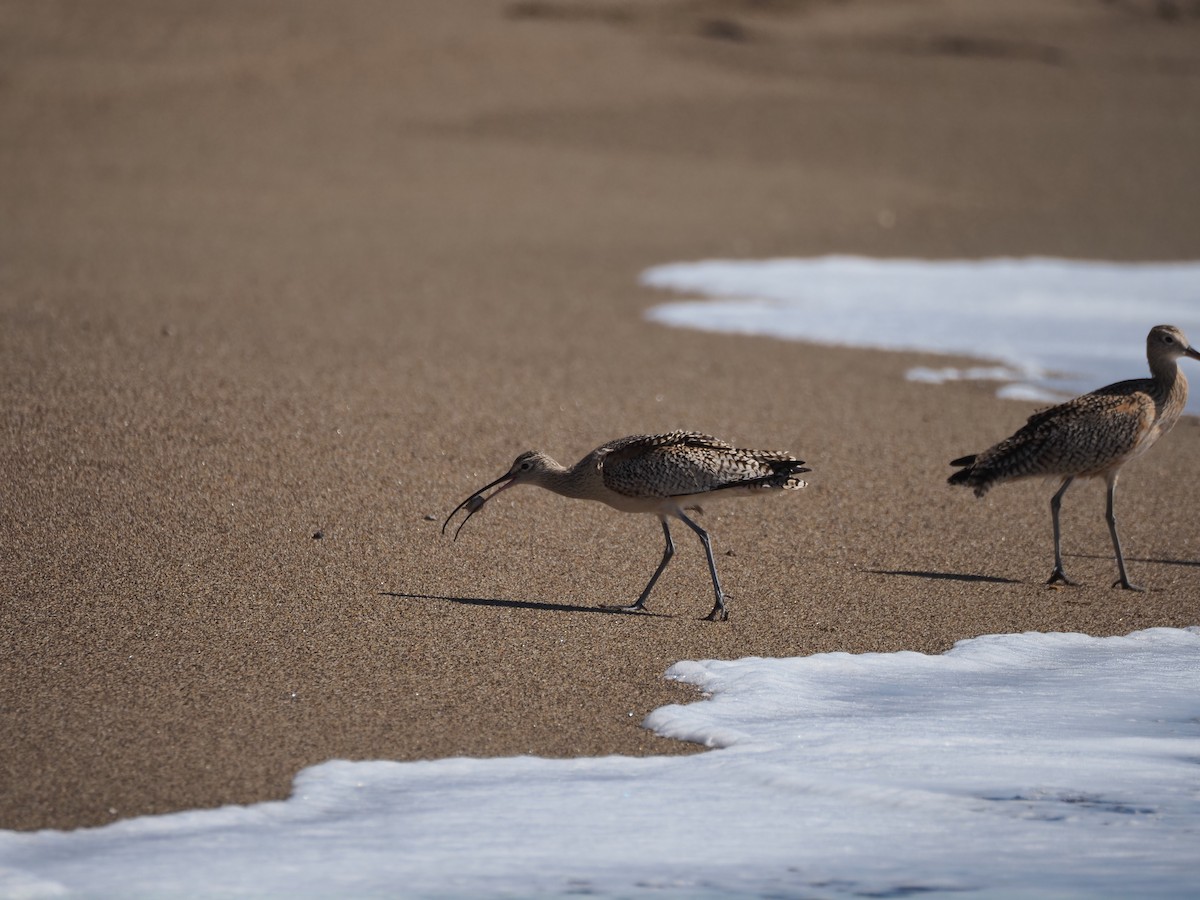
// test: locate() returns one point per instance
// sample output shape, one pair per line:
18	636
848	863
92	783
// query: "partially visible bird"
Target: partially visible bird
1092	436
662	474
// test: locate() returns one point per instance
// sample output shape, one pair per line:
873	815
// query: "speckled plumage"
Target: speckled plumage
663	474
687	463
1091	436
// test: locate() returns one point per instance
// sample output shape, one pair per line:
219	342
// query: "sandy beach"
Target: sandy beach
281	284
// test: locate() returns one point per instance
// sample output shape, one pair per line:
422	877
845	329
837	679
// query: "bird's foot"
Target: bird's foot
638	607
1128	585
1058	575
719	614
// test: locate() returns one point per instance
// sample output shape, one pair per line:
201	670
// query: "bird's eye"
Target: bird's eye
526	466
1168	339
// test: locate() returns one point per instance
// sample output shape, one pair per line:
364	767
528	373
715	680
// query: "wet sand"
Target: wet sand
281	285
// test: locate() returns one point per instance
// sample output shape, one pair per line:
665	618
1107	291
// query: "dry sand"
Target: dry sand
283	282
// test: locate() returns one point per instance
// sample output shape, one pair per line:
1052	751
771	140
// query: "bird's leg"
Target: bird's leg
1111	518
1055	503
668	552
718	610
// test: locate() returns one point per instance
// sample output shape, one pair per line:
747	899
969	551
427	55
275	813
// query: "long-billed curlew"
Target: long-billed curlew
663	474
1092	436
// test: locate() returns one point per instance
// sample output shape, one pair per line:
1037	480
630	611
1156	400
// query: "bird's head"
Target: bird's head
528	468
1169	342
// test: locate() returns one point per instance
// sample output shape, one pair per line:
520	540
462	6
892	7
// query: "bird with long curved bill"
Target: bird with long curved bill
1092	436
661	474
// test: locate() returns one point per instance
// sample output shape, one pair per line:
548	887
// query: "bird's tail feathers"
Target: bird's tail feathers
978	478
784	474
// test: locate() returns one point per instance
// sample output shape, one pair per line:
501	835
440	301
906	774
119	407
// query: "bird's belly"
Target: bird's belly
664	506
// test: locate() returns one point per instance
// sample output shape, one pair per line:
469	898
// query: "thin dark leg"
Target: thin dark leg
718	610
1055	503
1111	518
668	552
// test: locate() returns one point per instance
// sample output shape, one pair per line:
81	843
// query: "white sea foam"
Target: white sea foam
1034	765
1057	327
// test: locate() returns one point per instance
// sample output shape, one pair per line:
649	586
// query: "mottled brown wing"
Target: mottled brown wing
1083	436
684	463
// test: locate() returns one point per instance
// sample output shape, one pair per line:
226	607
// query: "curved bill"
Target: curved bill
475	502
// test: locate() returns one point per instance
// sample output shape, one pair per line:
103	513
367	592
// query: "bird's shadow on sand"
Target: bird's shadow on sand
522	604
993	579
1139	559
945	576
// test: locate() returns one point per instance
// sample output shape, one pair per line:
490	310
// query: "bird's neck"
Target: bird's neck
1170	387
570	482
